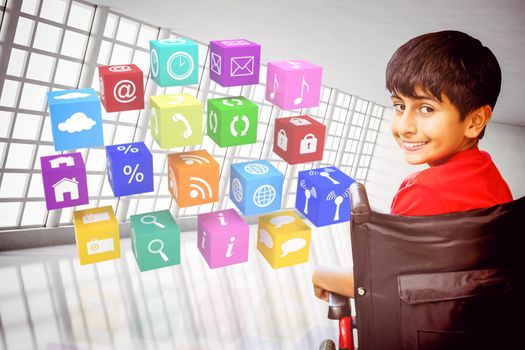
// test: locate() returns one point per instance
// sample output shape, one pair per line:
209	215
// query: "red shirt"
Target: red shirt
468	180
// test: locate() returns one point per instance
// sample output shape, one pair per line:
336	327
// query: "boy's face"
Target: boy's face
428	130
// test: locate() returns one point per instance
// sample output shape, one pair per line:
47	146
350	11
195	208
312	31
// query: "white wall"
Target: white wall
505	143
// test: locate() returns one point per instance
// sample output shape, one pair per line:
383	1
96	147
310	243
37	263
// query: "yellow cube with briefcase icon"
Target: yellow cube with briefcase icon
283	239
97	235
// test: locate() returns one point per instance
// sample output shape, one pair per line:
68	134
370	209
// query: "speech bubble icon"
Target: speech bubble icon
279	221
265	238
292	245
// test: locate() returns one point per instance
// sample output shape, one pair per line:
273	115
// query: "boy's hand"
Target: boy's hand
337	280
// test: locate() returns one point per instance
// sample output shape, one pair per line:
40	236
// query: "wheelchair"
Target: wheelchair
451	281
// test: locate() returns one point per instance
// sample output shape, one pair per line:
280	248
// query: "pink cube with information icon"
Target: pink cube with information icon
222	238
293	84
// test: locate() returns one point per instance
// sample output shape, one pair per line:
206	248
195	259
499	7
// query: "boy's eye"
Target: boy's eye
426	109
399	107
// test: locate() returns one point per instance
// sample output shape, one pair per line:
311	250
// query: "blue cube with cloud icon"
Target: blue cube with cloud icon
76	119
323	195
256	187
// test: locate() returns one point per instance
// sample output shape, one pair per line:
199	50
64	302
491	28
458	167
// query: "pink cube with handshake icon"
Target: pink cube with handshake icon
293	84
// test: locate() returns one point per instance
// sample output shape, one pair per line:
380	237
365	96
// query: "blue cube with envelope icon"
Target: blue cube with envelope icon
155	240
323	195
76	119
130	168
174	62
256	187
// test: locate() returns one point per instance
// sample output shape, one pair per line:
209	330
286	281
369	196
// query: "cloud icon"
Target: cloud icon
76	123
72	95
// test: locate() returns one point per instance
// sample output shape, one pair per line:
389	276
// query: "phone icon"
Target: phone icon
178	117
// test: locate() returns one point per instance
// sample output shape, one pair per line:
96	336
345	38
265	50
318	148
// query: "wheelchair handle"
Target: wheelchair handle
339	309
359	201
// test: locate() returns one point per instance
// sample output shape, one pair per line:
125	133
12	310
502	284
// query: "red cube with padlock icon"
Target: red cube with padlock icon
121	87
299	139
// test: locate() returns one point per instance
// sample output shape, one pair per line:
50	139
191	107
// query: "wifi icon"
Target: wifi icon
191	159
200	188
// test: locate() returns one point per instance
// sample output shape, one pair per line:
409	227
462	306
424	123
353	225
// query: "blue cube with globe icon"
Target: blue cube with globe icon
323	195
130	168
174	62
256	187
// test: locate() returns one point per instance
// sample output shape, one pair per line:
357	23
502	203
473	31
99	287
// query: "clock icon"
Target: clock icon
180	65
154	63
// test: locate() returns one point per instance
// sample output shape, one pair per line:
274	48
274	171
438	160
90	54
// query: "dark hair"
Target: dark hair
449	63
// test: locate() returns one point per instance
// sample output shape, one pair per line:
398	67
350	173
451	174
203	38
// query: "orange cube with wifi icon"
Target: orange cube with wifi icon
193	178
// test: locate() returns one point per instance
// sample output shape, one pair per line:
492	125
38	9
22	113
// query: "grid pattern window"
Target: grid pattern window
58	44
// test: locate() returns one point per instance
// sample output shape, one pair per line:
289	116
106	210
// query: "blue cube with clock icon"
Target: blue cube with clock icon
129	168
256	187
174	62
323	195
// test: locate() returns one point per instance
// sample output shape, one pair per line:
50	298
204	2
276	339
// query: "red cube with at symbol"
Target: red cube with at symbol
121	87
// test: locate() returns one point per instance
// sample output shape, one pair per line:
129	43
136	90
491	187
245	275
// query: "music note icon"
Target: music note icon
295	65
299	99
275	87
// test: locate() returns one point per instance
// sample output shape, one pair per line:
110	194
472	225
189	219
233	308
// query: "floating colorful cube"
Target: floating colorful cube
76	119
97	234
130	168
174	62
299	139
293	84
323	195
223	238
193	178
256	187
65	182
121	87
232	121
155	240
235	62
176	120
283	239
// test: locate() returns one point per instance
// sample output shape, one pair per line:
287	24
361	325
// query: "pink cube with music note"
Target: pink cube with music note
293	84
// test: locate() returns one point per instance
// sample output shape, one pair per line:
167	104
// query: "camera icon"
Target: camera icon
100	246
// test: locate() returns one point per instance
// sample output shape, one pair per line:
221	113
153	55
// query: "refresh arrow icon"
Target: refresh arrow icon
246	123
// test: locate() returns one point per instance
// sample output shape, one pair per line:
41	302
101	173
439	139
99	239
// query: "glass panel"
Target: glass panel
54	10
34	97
80	16
127	31
26	126
24	31
30	6
146	34
111	24
17	62
9	93
46	37
34	213
40	67
121	55
9	213
13	185
74	44
36	186
5	123
19	156
67	73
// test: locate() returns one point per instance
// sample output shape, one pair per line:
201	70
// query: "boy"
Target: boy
444	88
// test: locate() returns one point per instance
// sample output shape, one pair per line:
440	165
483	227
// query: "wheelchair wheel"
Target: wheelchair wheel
327	345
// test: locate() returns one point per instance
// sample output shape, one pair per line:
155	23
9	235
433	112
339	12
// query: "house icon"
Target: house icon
66	186
68	161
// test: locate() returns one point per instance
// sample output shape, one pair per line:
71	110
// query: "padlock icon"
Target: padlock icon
282	140
308	144
299	121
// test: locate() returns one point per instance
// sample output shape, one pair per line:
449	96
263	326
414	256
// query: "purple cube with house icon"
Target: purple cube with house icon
223	238
65	182
234	62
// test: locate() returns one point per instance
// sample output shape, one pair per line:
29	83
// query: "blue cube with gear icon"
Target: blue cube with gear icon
323	195
256	187
130	168
76	119
174	62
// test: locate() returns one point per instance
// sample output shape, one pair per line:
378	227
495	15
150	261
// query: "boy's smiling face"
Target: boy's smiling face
428	130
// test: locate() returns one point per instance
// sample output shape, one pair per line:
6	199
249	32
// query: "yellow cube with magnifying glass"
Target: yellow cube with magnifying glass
283	239
97	235
155	240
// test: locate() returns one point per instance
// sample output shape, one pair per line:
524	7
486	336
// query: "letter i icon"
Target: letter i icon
203	242
229	252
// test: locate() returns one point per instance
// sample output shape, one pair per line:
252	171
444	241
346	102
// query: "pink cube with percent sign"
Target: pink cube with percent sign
293	84
222	238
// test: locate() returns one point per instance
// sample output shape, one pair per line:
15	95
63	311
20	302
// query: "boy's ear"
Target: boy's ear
477	120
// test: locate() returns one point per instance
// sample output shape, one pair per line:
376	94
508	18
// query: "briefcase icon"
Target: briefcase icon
308	144
282	140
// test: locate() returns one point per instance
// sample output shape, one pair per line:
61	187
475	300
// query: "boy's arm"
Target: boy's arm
336	280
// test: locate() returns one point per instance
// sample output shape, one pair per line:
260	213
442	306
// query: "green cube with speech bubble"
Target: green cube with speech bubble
155	240
232	121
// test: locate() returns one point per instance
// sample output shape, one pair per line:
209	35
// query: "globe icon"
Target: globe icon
264	196
237	189
256	169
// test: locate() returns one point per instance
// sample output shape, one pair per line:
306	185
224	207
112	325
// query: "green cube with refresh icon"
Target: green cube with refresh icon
155	240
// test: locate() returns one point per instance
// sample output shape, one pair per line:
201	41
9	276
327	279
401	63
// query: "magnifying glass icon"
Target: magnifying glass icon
150	219
159	250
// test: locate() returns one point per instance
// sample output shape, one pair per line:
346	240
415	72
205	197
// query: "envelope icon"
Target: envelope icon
216	63
242	66
235	42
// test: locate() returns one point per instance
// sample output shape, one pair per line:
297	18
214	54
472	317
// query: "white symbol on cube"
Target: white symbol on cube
216	62
282	140
242	66
308	144
97	217
100	246
299	121
237	190
235	42
68	161
124	91
200	188
66	186
120	69
264	196
256	169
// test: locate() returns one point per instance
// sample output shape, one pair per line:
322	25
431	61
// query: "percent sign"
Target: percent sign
127	149
128	170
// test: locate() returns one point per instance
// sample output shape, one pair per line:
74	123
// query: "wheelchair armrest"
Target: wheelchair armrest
359	201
